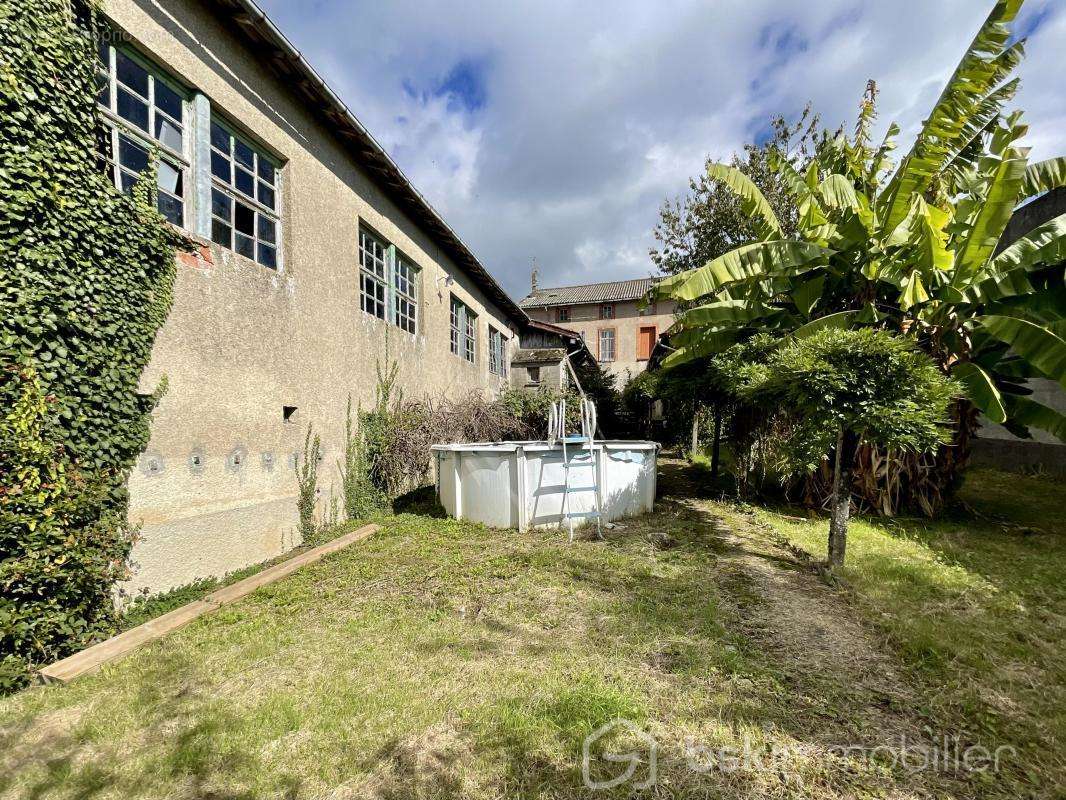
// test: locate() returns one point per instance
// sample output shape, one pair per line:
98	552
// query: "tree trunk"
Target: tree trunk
695	431
716	447
840	509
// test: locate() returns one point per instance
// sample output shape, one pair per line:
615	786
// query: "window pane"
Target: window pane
103	139
221	205
266	195
167	100
103	85
244	245
267	256
244	219
220	233
220	167
128	180
132	156
133	109
168	133
266	229
169	178
131	74
373	295
244	181
171	208
266	170
103	53
219	137
243	153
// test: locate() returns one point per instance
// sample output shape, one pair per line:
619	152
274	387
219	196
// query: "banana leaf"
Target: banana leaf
1031	414
1044	176
752	201
842	319
1036	344
1045	244
981	390
759	260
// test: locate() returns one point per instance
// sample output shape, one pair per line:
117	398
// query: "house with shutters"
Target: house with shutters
619	330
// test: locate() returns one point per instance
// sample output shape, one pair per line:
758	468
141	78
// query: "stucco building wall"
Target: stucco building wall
628	319
216	488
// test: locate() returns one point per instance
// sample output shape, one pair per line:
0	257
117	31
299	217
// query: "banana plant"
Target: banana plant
915	248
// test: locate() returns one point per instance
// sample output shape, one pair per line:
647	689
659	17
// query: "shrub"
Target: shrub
307	484
61	556
838	389
388	448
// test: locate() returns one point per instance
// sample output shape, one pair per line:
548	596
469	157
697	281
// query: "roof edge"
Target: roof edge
407	197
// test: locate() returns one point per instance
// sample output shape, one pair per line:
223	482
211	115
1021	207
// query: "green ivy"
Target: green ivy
86	280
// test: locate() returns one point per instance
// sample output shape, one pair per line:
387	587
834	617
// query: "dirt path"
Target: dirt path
846	686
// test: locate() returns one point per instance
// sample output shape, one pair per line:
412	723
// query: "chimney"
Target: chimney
533	279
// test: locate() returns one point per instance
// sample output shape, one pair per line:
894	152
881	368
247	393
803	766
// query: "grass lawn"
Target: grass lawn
442	659
975	604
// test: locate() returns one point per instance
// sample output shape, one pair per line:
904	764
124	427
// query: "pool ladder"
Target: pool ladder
557	433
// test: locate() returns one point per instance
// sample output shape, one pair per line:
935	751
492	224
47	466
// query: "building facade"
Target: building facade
549	357
619	330
316	261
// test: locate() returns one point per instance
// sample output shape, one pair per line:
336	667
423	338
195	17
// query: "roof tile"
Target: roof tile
615	291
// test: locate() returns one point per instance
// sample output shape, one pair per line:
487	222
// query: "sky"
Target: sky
553	131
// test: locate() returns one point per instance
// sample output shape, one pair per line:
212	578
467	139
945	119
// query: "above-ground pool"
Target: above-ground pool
521	484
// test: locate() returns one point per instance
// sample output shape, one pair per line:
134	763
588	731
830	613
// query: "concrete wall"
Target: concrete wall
998	447
242	341
627	322
552	375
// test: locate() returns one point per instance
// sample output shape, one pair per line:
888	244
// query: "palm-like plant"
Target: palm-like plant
914	249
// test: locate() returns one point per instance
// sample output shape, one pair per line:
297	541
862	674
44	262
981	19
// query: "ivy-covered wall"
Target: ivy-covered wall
86	276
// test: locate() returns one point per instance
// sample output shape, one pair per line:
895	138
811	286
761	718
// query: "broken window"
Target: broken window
141	109
244	187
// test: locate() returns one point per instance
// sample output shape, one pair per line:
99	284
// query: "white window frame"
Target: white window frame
234	195
373	275
116	127
612	338
497	352
392	282
404	286
607	311
463	334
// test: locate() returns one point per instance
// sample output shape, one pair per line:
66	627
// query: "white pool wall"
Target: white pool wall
520	484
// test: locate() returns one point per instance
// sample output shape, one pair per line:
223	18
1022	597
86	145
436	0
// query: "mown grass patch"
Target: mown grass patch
437	658
975	602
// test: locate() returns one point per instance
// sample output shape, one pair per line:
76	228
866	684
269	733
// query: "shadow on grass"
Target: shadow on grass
422	502
195	759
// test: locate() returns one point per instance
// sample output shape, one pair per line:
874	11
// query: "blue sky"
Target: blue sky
554	130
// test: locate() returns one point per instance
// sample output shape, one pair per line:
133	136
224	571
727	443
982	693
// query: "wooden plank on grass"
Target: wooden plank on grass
92	658
243	588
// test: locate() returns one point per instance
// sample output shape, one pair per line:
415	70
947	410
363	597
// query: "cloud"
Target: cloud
555	130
